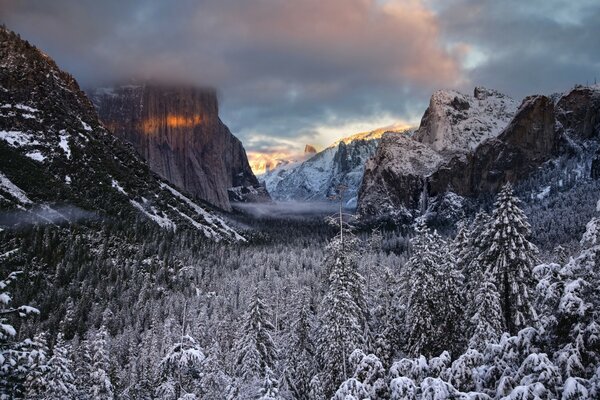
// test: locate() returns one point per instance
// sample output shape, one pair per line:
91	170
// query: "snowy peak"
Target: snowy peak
316	178
456	123
501	142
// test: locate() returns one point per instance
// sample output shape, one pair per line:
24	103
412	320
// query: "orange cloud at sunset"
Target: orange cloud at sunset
263	162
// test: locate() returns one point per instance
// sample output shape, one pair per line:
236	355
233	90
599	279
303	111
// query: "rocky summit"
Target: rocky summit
177	130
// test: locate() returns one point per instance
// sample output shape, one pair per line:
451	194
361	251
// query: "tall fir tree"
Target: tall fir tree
15	355
255	349
431	291
509	257
343	319
300	368
60	378
487	323
100	382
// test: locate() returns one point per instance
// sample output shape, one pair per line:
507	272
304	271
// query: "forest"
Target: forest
307	309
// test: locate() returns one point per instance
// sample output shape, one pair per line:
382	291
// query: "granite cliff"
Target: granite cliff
177	130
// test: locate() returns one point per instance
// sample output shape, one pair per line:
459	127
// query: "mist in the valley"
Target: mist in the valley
46	215
291	209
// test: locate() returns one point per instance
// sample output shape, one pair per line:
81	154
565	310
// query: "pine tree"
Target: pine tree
15	359
181	367
487	322
300	368
343	317
100	382
60	378
270	388
389	316
338	335
431	292
255	350
317	391
36	380
509	257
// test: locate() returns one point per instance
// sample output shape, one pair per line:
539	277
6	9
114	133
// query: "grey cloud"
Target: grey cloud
285	69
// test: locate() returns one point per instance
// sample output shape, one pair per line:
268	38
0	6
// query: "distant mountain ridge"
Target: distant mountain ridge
54	152
316	179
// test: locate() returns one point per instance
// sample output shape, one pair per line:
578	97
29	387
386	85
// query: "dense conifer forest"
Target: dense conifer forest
303	310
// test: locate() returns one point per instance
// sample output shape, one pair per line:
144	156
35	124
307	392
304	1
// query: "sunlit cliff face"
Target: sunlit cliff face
173	121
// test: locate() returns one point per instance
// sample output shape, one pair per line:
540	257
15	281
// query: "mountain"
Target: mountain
59	163
404	178
177	130
317	178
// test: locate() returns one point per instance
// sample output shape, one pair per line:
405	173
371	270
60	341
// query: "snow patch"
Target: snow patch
544	193
64	143
36	155
162	221
86	127
17	138
116	185
14	191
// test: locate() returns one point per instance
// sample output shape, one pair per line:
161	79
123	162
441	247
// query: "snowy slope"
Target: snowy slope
316	178
55	152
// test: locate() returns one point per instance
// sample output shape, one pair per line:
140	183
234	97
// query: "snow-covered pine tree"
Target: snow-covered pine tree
431	288
338	335
509	257
300	367
388	318
255	349
60	378
270	387
100	382
181	367
369	371
487	324
316	391
14	355
343	316
35	382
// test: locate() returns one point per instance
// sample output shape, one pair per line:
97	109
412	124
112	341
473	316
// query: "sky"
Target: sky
296	72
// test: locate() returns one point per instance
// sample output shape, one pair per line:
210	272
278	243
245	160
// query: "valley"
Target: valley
145	254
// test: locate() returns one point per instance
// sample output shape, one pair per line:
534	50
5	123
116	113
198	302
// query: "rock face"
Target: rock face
58	162
317	178
177	130
528	141
393	178
397	184
579	112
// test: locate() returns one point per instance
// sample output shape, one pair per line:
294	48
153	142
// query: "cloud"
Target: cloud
295	72
529	47
282	68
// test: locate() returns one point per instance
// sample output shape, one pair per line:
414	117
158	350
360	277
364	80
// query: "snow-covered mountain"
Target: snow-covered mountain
316	178
56	156
494	148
